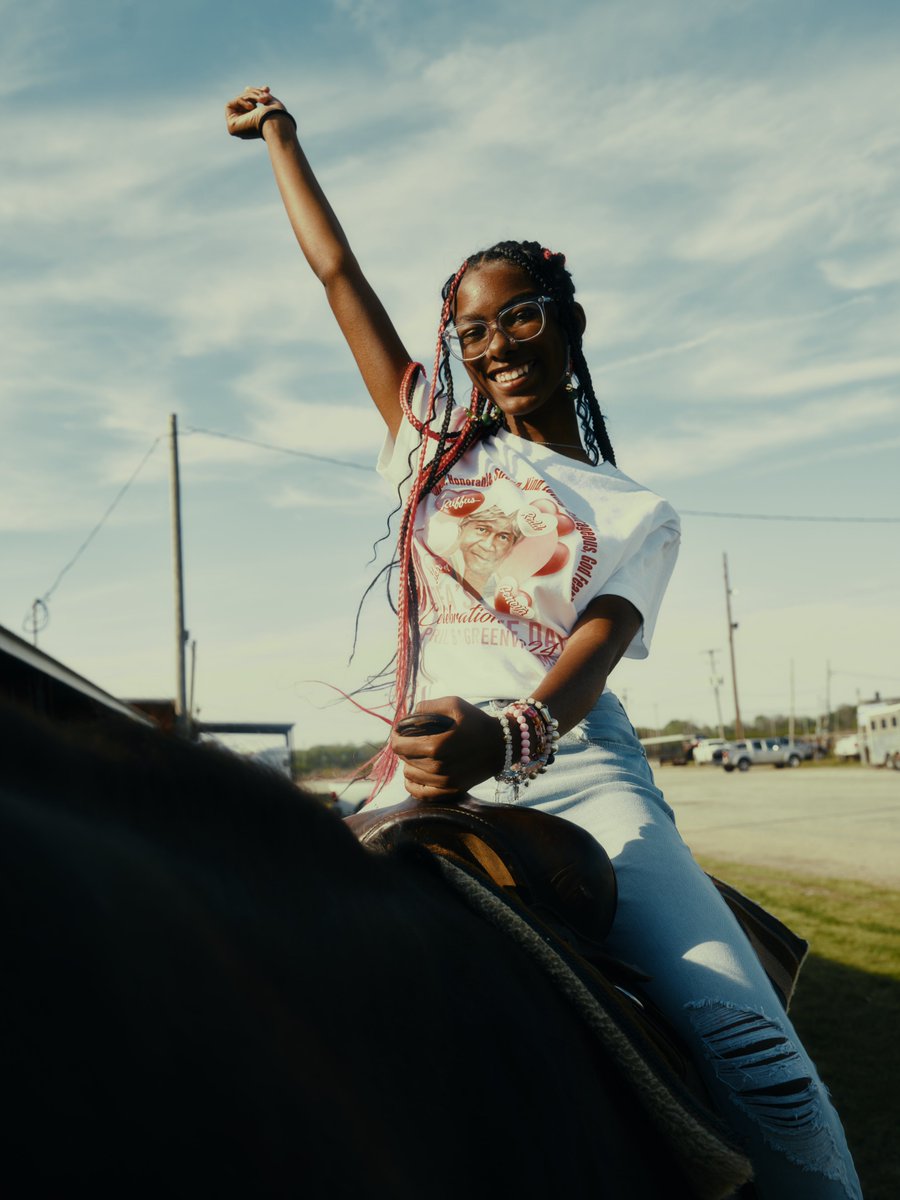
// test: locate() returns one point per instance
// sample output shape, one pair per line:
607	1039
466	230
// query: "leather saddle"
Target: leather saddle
551	867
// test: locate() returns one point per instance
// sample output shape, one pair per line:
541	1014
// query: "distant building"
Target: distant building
878	722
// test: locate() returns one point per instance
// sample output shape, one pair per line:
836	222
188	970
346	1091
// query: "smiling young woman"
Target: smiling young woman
527	378
528	566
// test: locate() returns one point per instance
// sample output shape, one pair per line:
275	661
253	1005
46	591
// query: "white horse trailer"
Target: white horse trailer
879	733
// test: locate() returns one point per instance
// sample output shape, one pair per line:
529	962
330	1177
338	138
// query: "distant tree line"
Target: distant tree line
843	720
344	758
335	760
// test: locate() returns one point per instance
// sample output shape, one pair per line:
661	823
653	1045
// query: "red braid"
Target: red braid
385	763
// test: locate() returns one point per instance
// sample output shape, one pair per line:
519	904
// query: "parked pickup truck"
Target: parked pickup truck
777	752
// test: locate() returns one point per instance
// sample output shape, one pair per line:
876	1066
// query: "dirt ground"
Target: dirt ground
838	821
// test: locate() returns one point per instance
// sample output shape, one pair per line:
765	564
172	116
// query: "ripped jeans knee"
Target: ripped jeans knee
768	1076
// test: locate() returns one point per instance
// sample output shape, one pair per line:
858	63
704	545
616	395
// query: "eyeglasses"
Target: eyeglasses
517	322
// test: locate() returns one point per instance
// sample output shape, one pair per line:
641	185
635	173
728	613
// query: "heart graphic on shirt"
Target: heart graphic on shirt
545	504
512	600
564	523
532	522
556	561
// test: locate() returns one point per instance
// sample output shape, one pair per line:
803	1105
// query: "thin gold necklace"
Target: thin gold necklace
556	445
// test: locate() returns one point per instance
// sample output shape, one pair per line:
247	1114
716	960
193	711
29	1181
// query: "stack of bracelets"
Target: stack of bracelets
535	726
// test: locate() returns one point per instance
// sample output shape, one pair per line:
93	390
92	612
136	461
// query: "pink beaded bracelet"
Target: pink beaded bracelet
533	759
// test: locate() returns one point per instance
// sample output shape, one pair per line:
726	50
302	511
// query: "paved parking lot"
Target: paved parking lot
841	821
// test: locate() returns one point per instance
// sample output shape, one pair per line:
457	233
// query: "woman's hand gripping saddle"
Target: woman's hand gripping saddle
551	867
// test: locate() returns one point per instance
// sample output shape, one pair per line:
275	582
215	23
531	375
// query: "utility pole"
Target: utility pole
190	707
828	674
716	680
732	626
37	620
791	717
182	715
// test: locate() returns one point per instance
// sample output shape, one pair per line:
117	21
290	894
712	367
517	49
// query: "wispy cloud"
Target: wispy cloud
738	438
362	495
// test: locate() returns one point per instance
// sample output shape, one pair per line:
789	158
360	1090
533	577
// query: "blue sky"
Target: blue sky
724	179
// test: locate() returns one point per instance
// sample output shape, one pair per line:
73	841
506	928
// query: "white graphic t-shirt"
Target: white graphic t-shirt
509	550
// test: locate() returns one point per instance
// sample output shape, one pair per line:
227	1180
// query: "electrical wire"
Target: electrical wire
234	437
686	512
691	512
40	603
863	675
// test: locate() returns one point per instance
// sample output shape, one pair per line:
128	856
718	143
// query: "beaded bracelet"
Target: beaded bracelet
518	714
507	740
551	726
533	759
546	728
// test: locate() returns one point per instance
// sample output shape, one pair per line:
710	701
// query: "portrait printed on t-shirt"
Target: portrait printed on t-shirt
501	541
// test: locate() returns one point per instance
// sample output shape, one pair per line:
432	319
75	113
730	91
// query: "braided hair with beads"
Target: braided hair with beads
548	270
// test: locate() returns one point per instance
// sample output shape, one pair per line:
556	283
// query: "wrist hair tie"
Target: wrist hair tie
275	112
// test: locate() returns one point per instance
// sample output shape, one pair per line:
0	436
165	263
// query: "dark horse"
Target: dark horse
209	987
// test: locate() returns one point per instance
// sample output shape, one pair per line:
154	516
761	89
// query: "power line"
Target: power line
233	437
862	675
38	615
90	537
687	512
39	605
691	512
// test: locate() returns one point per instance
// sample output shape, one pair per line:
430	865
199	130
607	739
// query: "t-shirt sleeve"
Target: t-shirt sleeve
644	576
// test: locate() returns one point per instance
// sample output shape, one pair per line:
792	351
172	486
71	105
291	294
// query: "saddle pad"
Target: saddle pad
780	951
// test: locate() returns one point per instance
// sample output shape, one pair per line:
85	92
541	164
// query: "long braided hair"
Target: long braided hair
548	270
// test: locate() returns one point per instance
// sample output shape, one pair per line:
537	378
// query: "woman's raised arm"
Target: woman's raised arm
372	338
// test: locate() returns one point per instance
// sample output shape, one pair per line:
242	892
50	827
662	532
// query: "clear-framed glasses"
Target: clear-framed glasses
519	322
